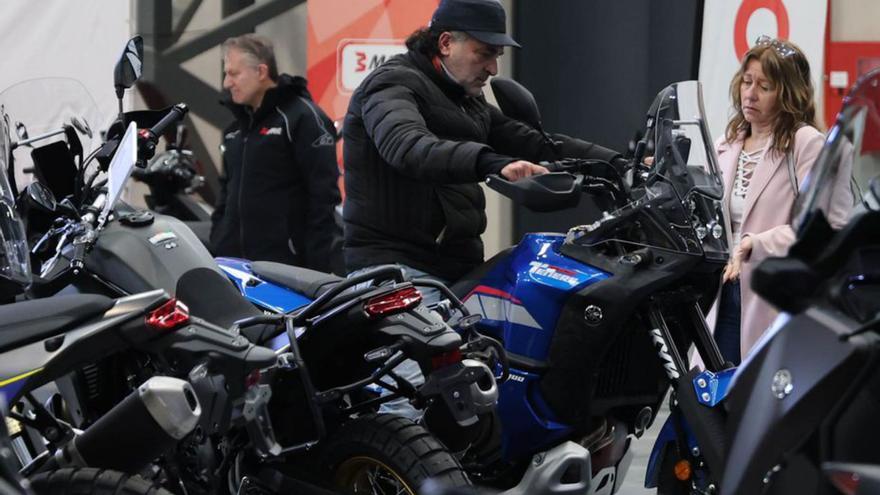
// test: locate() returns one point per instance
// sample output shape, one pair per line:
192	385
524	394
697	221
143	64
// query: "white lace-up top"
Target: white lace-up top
745	170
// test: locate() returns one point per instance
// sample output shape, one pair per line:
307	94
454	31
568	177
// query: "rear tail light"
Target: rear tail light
845	481
446	359
393	302
168	316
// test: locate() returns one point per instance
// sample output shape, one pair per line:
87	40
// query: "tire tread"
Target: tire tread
82	481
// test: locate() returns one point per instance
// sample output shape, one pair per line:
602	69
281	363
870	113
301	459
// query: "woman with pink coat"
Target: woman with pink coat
768	148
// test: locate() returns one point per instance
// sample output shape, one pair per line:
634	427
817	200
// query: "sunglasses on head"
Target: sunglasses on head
782	48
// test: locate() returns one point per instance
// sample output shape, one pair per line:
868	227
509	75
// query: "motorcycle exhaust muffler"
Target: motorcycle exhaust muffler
147	423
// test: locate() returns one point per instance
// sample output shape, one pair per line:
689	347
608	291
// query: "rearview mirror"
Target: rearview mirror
130	65
41	197
81	126
21	131
516	102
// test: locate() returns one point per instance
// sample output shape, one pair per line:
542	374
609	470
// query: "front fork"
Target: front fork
708	387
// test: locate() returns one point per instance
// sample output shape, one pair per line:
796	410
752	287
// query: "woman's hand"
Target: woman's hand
741	254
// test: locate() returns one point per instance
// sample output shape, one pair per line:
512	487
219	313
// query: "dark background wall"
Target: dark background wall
594	67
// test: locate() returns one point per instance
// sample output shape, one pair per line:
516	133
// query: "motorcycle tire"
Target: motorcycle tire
390	454
83	481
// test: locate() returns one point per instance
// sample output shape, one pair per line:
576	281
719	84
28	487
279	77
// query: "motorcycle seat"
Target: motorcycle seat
211	297
26	322
310	283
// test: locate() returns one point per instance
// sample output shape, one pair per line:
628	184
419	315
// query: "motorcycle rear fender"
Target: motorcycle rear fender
83	344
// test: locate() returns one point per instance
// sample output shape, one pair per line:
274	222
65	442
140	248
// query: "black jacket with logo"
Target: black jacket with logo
415	146
279	188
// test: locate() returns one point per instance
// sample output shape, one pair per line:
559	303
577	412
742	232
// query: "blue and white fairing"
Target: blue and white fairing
263	294
522	297
520	300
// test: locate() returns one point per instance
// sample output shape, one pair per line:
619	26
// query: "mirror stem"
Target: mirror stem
119	92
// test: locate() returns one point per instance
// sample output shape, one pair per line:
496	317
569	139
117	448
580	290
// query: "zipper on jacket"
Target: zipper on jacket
240	189
440	236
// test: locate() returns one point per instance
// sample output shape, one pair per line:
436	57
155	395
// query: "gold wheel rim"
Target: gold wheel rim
364	474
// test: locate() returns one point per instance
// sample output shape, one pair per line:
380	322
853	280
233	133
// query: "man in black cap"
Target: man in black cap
418	138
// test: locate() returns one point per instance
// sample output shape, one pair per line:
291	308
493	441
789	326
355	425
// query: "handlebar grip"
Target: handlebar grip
552	166
175	114
79	254
149	138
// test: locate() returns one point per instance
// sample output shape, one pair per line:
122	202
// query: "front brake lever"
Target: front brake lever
49	265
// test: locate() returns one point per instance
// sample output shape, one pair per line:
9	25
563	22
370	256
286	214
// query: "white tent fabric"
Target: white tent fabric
58	38
62	39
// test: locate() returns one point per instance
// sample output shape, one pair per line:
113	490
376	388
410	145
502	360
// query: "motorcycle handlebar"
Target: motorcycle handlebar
176	113
150	136
79	254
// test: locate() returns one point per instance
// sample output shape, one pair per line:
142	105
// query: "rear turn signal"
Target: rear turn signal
394	302
446	359
252	379
168	316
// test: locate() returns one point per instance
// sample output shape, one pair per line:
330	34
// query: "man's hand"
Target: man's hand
520	169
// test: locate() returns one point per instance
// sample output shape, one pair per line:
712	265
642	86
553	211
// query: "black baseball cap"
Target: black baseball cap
485	20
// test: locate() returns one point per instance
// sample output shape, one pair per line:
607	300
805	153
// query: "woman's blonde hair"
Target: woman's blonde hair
786	67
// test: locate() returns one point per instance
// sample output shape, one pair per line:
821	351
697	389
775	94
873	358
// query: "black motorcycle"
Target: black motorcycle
808	393
90	242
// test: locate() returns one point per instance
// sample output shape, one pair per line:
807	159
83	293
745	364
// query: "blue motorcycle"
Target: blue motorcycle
596	323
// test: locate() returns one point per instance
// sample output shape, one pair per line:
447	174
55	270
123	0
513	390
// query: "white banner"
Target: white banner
62	39
58	38
730	28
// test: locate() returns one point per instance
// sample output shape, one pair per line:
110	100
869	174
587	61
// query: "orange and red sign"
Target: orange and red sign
347	40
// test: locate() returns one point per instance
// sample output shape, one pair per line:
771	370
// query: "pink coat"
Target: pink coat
766	218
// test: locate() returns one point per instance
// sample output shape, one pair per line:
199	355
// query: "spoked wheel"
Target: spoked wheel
388	455
369	475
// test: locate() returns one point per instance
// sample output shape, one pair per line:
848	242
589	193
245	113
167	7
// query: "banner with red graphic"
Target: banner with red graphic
730	29
347	40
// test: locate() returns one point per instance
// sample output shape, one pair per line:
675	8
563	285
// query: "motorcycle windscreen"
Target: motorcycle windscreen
679	206
847	169
14	256
785	392
42	105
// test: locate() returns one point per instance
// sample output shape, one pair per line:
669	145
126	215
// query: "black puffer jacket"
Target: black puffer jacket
280	183
415	146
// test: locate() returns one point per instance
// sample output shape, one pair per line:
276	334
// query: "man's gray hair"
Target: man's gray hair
425	40
256	48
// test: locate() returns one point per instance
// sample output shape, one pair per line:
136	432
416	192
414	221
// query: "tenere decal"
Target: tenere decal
540	270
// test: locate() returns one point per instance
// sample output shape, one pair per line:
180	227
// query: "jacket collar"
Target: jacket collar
287	88
438	76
